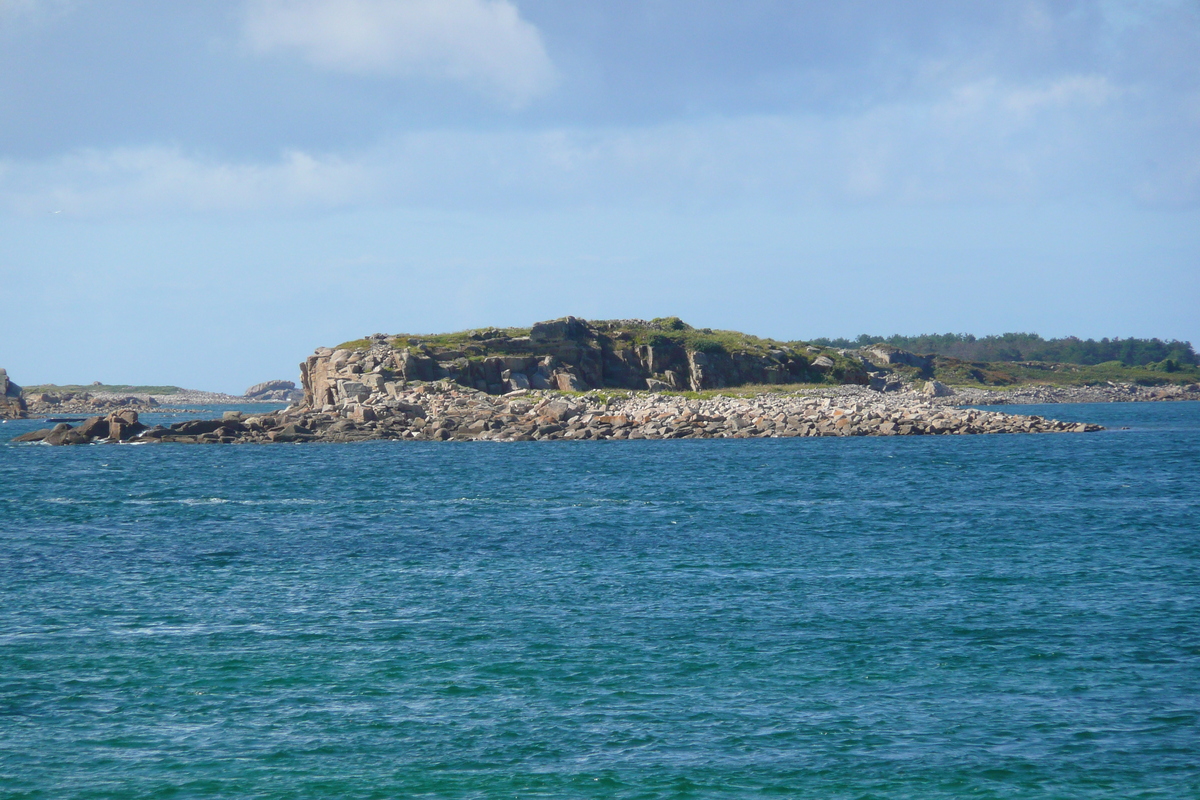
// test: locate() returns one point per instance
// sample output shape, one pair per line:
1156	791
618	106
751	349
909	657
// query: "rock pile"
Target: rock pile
444	411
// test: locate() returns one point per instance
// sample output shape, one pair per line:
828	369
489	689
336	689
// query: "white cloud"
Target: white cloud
483	43
981	142
1091	90
151	181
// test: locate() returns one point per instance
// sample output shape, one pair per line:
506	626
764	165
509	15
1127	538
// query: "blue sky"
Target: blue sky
202	193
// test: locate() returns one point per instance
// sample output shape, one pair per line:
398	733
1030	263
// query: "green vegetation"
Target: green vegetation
52	388
994	375
1031	347
663	331
459	340
481	340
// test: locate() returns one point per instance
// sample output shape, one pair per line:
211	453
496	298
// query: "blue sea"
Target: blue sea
912	617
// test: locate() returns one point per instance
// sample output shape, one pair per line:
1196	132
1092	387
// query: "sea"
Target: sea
1003	616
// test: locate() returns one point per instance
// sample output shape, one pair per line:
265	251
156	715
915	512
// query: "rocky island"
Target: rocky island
570	379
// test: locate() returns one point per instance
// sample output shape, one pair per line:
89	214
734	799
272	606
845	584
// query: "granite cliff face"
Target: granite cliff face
568	354
12	404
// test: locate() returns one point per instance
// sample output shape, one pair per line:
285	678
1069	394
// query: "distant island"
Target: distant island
78	399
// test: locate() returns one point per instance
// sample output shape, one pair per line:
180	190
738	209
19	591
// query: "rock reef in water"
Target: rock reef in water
119	426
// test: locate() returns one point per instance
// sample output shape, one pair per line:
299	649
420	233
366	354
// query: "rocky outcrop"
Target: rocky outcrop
119	426
886	354
274	392
12	404
567	354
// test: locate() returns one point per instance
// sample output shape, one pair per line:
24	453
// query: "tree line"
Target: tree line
1031	347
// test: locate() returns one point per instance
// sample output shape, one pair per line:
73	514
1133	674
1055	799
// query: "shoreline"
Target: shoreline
446	411
1048	394
106	402
443	411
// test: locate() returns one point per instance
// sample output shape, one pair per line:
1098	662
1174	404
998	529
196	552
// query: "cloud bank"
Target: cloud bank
483	43
978	142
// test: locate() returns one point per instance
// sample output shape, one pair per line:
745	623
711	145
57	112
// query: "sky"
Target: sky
201	194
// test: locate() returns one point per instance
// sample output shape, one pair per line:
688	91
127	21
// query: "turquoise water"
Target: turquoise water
918	617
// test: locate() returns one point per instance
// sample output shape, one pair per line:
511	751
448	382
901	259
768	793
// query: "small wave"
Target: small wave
184	501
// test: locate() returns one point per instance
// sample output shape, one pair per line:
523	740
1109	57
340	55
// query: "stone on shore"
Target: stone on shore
937	389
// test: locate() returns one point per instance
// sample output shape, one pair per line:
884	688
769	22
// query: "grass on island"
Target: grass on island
53	388
663	331
458	340
660	331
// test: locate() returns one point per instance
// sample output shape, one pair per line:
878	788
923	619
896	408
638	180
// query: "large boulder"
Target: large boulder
937	389
291	433
887	354
558	330
94	427
196	427
62	433
124	425
269	386
274	391
566	382
516	380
